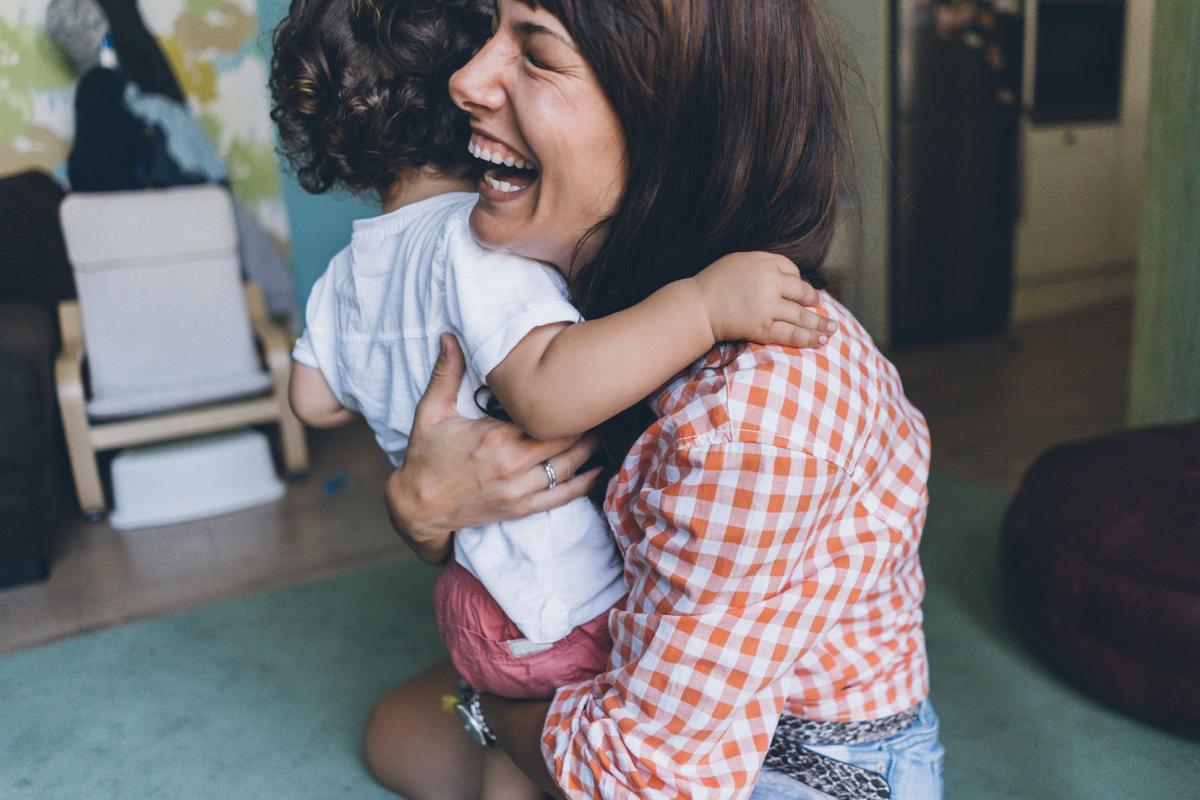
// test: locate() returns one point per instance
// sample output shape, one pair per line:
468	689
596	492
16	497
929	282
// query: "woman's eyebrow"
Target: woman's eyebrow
528	29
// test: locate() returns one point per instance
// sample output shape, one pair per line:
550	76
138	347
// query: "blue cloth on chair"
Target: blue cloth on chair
187	142
113	149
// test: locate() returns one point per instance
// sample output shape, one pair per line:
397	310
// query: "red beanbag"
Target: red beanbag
1101	564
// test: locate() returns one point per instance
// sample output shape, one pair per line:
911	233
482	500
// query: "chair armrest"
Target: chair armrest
72	403
276	347
277	352
68	367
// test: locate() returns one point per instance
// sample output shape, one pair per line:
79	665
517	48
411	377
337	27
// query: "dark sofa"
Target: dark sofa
34	276
30	462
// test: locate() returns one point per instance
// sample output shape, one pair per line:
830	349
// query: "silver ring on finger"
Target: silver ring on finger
551	480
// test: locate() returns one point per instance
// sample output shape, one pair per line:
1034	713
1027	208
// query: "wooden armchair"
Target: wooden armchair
86	438
180	345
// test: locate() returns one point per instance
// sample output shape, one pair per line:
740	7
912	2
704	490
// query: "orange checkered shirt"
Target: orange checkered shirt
769	521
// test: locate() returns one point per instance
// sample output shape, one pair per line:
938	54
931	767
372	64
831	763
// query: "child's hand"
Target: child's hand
760	297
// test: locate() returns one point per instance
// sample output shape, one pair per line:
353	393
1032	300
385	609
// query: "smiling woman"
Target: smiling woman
533	98
362	99
768	502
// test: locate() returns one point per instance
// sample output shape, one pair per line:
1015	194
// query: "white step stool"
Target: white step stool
188	479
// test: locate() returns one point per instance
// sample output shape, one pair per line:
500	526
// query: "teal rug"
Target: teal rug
264	697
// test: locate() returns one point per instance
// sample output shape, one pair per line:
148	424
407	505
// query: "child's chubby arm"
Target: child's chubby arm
313	401
563	380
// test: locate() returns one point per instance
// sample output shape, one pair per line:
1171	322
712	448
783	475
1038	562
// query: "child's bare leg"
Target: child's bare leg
503	780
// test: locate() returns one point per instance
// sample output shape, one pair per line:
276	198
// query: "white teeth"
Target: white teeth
496	158
503	186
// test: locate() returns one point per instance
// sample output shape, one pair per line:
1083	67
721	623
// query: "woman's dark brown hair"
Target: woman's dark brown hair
359	88
734	115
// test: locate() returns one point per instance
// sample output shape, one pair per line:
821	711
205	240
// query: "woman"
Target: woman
768	502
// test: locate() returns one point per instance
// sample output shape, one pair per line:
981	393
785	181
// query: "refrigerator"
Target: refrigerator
956	111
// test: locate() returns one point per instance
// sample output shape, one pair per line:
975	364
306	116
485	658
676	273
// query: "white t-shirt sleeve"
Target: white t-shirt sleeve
494	299
303	353
315	347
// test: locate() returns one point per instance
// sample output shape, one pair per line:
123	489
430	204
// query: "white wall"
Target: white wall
1076	240
1072	258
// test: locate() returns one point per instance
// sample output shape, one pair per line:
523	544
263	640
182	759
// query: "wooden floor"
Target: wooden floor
993	405
331	522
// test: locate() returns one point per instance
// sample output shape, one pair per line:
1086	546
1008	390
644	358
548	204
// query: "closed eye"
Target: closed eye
536	62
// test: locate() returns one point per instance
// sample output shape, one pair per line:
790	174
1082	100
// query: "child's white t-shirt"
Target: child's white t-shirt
373	322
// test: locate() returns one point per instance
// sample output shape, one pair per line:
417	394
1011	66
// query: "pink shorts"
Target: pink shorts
490	652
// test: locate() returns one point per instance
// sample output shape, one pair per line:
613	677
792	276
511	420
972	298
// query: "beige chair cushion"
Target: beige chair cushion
165	323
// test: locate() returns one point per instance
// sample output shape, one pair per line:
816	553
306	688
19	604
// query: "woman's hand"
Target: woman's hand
461	472
760	297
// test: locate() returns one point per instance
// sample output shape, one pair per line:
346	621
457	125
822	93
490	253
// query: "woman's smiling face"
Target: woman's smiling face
534	102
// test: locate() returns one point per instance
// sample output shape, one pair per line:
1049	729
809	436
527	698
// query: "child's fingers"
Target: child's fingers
800	291
788	335
785	264
802	317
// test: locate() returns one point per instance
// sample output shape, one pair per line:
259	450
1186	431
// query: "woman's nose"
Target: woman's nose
476	87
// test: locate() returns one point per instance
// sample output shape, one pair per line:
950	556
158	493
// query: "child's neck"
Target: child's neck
422	185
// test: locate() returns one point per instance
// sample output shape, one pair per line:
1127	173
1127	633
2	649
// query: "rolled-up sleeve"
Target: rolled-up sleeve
748	553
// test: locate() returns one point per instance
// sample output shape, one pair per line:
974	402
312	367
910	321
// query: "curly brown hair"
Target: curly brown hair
359	88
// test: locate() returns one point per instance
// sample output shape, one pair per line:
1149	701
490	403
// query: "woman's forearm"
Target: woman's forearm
565	381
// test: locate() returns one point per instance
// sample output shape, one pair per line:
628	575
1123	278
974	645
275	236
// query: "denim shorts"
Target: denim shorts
910	761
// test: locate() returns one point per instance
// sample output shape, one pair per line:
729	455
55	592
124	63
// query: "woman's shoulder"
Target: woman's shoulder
833	402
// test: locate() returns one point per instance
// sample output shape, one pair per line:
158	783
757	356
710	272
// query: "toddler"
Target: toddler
360	90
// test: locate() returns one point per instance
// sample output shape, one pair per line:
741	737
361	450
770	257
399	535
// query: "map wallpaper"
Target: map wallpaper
213	48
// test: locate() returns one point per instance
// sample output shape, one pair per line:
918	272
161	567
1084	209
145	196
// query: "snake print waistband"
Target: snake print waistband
807	731
789	754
